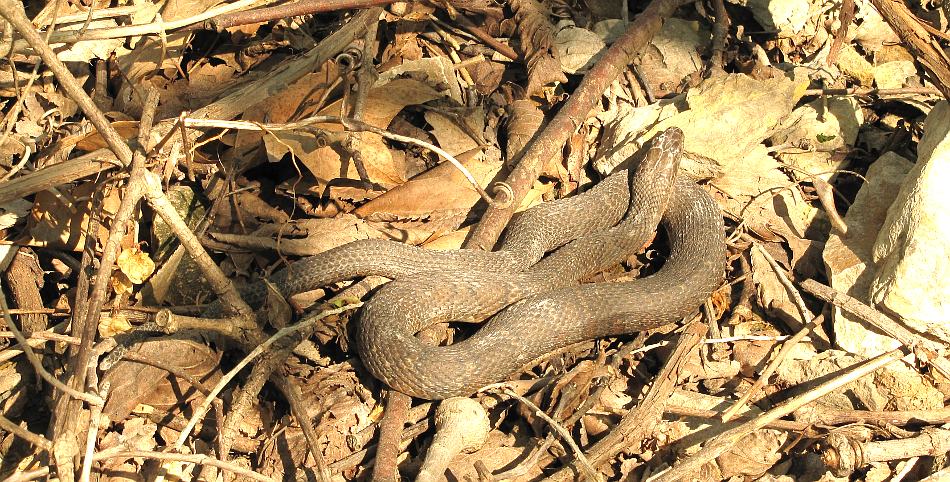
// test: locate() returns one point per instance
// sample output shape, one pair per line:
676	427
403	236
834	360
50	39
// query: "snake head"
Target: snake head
656	173
662	160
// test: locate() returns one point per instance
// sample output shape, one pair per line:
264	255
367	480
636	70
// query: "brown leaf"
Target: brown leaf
537	40
62	222
135	383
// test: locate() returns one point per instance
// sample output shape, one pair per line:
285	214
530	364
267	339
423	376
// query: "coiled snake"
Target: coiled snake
542	307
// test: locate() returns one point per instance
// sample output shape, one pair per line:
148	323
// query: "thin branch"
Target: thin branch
548	143
730	438
38	365
588	470
226	379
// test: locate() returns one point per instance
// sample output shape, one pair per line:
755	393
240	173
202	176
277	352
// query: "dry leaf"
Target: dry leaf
62	222
135	264
114	324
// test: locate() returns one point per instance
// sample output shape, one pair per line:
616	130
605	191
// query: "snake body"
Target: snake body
542	307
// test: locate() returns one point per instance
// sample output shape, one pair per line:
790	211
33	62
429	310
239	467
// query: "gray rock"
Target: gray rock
847	258
912	250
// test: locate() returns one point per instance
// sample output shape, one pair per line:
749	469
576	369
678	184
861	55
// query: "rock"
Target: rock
893	75
847	258
890	388
912	250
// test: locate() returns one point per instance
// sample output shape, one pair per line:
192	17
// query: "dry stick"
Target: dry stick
299	410
365	78
18	105
277	12
28	475
227	107
259	350
541	448
152	184
827	199
918	41
844	456
565	435
14	13
723	442
66	171
92	430
244	398
66	410
640	422
845	17
390	435
926	350
829	416
720	32
356	458
711	414
490	41
865	91
36	440
547	143
196	459
394	419
153	28
82	362
809	322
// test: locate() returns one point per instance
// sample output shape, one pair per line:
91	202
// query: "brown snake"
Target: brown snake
542	306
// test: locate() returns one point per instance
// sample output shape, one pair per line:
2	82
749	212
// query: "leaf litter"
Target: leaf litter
778	103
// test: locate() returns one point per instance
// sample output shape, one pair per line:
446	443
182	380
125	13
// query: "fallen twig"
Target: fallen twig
728	439
547	143
639	422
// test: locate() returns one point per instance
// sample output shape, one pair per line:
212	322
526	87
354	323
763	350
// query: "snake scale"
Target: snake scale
538	306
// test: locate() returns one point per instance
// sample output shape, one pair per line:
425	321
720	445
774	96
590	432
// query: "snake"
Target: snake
529	288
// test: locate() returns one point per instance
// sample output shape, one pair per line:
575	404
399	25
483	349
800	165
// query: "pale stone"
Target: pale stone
912	250
893	75
892	387
787	17
847	258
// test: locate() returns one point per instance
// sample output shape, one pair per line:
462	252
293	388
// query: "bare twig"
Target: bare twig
926	350
277	12
226	379
639	422
845	17
36	440
548	143
728	439
720	32
809	323
867	91
38	365
153	28
390	433
916	38
197	459
588	470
